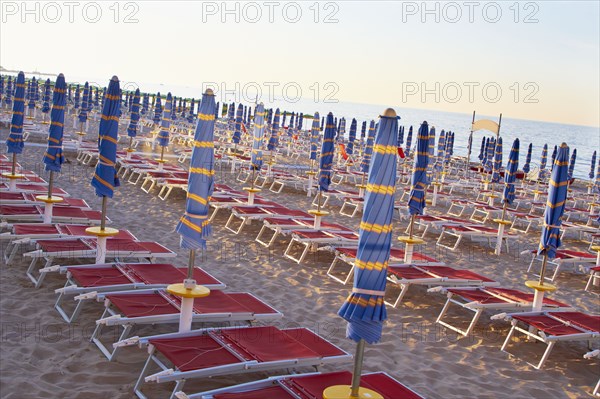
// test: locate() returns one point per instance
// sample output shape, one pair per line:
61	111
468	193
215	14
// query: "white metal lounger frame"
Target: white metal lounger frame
312	244
82	294
179	377
111	317
474	233
549	340
478	308
559	263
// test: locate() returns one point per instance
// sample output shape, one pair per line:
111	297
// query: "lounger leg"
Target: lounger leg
178	387
403	291
13	253
143	373
478	313
30	270
546	354
509	336
305	252
444	309
531	263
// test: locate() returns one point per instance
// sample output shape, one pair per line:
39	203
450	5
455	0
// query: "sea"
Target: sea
585	139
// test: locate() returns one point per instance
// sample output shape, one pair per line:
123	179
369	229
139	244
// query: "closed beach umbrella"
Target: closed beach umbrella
1	89
157	109
257	143
441	151
351	137
135	116
77	98
485	152
274	139
497	161
46	104
366	160
9	91
572	163
145	104
314	138
408	141
527	166
15	142
431	149
300	120
544	158
489	166
450	147
84	104
555	207
363	130
165	123
31	94
416	199
105	177
53	158
510	174
400	135
364	309
237	133
482	149
327	150
553	157
593	165
597	183
194	225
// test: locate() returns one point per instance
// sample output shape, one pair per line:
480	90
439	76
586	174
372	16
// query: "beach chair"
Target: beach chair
551	328
478	299
37	189
245	214
116	248
594	277
129	309
60	214
351	206
310	239
564	258
473	232
84	282
235	350
307	386
25	198
348	255
423	274
24	234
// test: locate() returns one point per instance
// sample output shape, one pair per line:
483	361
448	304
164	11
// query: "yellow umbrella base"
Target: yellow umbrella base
344	391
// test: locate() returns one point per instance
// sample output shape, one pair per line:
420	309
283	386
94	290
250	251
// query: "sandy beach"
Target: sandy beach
42	356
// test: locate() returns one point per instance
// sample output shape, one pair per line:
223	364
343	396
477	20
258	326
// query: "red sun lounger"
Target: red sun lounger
348	255
478	299
84	282
216	352
129	309
121	248
564	257
423	274
553	327
307	386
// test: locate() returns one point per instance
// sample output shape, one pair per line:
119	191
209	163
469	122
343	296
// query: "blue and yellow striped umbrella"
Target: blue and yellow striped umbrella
482	149
105	177
216	111
9	91
572	164
510	174
191	115
400	135
366	160
314	137
84	103
300	121
485	152
351	137
77	98
497	161
544	158
274	139
342	129
593	165
15	142
194	225
53	158
365	309
527	166
46	104
257	143
597	183
441	152
408	141
31	94
416	200
157	109
363	130
165	123
327	150
555	205
448	148
431	151
145	104
1	88
491	150
237	133
135	115
554	153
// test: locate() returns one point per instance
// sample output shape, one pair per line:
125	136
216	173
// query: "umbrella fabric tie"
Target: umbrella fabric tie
367	292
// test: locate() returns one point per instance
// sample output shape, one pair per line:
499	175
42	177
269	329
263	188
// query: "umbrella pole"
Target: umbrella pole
50	184
357	371
13	169
192	259
103	217
410	227
543	271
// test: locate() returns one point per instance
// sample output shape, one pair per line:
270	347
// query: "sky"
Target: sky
535	60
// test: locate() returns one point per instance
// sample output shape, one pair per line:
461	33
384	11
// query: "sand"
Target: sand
41	356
